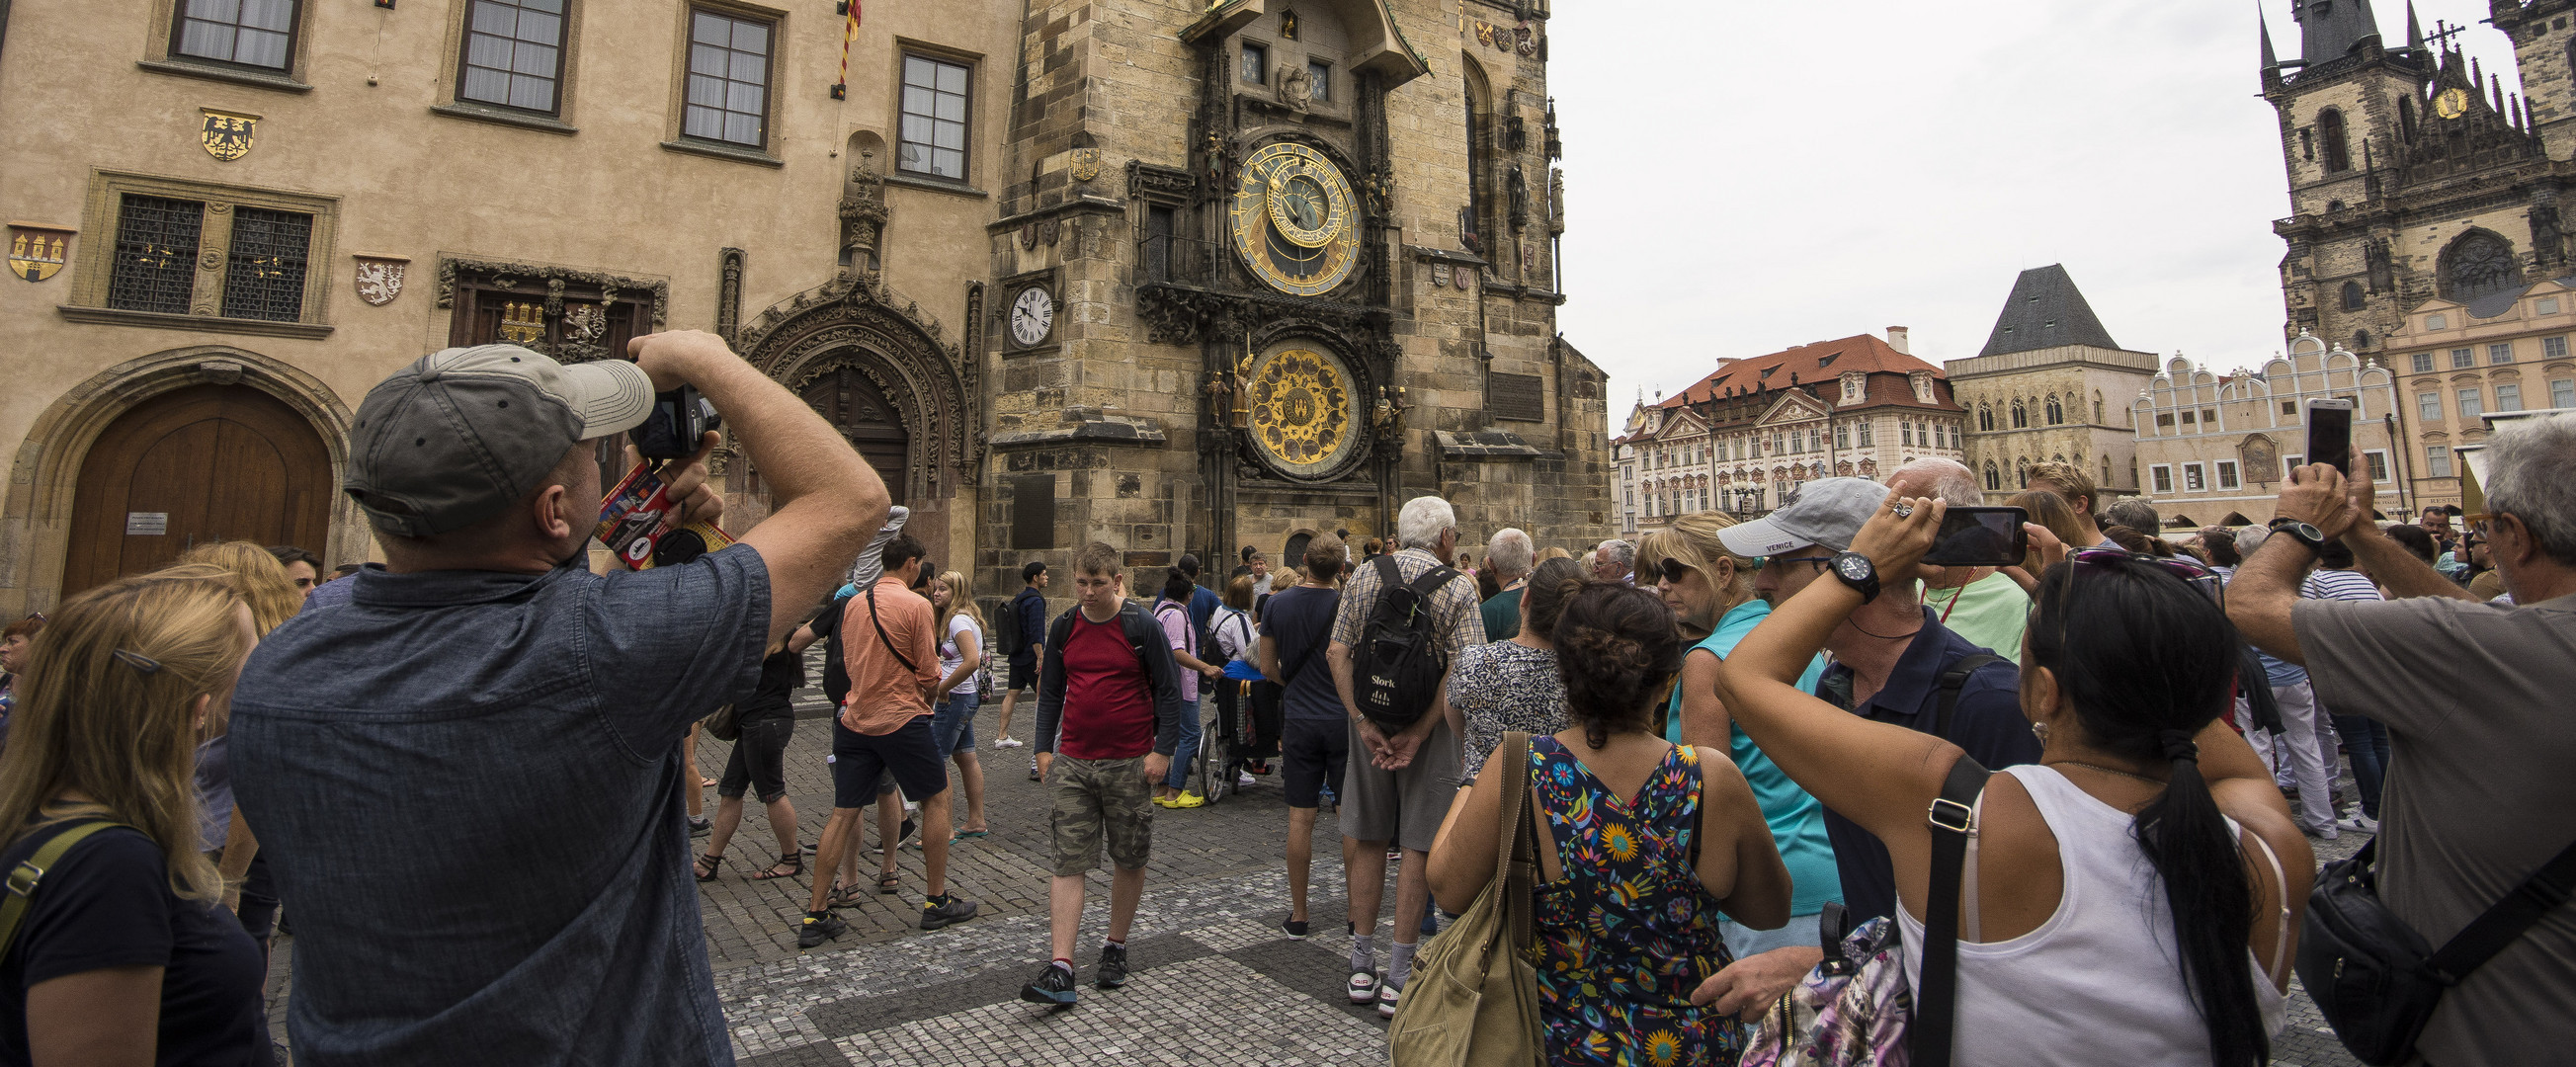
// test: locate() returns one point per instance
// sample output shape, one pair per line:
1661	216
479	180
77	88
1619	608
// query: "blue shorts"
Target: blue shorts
907	755
952	724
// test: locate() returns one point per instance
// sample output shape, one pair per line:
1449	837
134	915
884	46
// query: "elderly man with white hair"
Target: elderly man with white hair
1614	561
1402	788
1982	604
1510	555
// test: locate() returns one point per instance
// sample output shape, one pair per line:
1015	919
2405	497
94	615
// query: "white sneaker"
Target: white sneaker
2358	823
1007	742
1363	987
1244	779
1386	997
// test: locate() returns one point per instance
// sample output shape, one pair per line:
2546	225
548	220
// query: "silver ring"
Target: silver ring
1902	509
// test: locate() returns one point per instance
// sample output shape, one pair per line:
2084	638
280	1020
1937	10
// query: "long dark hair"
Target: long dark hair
2145	661
1616	645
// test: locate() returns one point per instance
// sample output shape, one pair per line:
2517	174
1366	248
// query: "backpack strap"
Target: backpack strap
899	657
1952	681
2501	924
1953	818
1516	856
30	872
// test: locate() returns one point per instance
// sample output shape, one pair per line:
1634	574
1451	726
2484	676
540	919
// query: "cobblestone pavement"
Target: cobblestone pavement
1216	981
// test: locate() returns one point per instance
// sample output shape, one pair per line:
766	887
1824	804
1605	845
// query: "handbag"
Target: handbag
1473	997
2375	979
725	724
1855	1009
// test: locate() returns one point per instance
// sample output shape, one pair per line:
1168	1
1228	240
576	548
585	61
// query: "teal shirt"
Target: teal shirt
1797	820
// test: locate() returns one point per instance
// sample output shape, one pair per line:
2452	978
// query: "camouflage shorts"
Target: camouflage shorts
1093	798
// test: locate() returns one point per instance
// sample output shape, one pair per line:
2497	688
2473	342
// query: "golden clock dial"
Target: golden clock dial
1301	412
1293	216
2451	103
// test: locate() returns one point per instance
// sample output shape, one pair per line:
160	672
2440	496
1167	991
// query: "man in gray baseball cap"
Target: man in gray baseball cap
467	775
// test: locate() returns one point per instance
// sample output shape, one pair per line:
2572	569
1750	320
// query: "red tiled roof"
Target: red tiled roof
1816	363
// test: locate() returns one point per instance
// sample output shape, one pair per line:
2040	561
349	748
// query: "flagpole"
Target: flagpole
849	32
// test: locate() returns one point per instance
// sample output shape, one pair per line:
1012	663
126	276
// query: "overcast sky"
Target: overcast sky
1742	178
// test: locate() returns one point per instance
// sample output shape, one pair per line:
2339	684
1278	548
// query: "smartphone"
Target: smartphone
2330	432
1980	537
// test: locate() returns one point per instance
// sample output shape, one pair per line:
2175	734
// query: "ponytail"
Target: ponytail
2189	845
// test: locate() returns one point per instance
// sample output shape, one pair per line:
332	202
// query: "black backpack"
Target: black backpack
1008	636
1395	671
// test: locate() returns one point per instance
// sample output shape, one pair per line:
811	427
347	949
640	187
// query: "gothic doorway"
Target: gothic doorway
204	463
854	406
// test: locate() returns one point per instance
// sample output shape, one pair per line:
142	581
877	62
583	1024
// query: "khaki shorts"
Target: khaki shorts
1096	798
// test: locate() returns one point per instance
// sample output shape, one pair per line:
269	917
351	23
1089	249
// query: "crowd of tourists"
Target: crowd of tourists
1754	792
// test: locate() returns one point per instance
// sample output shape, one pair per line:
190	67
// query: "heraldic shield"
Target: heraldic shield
36	252
227	135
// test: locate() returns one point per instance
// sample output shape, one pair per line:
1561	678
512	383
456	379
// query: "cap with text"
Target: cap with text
1829	512
462	433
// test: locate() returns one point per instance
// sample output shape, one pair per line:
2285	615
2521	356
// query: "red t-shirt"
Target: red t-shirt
1108	697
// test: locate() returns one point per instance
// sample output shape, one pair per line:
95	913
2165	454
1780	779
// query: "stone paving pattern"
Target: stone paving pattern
1215	982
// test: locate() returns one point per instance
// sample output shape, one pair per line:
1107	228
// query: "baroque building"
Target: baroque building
1745	438
1173	276
2413	174
2216	448
2458	363
2050	386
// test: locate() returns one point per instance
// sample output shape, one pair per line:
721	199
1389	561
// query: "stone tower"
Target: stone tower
2412	173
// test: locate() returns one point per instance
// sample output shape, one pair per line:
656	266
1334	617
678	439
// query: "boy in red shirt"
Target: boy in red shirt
1109	703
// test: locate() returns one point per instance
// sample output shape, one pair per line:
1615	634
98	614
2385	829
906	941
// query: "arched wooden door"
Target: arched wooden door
854	406
205	463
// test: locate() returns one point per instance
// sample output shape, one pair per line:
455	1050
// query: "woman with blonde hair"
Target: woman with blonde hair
261	580
952	725
1711	591
122	954
2049	513
250	890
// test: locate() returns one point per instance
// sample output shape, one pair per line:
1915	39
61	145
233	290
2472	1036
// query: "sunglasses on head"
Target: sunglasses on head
2193	572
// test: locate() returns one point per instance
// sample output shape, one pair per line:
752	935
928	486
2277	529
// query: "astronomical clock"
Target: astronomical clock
1296	224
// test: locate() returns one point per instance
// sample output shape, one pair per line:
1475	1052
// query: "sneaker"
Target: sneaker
2358	823
1187	800
1386	997
1112	971
1363	987
698	826
1054	987
957	910
1006	742
1294	928
1244	779
2325	833
817	929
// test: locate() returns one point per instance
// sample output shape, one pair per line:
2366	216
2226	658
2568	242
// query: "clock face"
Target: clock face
2451	103
1301	412
1295	220
1853	567
1032	315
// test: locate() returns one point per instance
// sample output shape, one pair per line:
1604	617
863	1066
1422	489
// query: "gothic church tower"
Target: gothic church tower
2413	175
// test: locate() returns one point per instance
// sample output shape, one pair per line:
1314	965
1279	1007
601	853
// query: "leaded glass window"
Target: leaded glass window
156	254
252	33
728	79
513	54
264	269
2480	264
932	139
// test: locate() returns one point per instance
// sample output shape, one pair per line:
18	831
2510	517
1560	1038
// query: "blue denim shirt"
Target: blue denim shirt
466	783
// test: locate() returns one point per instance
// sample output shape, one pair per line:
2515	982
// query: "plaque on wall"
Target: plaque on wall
1518	397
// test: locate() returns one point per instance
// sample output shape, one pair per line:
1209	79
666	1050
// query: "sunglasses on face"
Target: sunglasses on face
2193	572
1820	562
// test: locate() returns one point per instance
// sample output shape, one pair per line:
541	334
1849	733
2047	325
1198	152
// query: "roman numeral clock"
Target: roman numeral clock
1296	225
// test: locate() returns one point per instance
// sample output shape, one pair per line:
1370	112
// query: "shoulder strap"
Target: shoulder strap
1952	681
899	657
24	878
1953	819
1516	853
1389	576
2545	891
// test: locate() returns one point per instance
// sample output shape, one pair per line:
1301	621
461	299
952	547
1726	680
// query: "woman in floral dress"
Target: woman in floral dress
1512	684
1627	908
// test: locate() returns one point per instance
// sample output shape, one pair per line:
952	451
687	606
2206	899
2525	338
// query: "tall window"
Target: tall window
2338	150
2020	417
2163	476
2428	407
1994	479
2508	396
2470	407
2352	296
728	79
1255	63
2097	407
2562	393
2463	357
2378	466
1321	75
1905	433
2502	353
2227	474
1985	418
156	254
2056	411
1866	435
514	54
2423	362
2191	478
264	269
1842	435
2437	461
251	33
933	137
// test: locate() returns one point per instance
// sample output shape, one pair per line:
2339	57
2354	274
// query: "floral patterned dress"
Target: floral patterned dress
1627	933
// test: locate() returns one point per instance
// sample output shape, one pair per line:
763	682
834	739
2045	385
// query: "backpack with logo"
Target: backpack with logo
1396	669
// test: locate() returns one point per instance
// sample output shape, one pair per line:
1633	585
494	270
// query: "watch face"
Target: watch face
1853	567
1032	315
1296	222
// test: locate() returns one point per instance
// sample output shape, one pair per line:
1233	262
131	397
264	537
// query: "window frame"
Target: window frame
904	55
2437	461
2500	388
2562	393
2423	363
2463	358
294	45
776	22
2553	348
2375	461
2500	353
93	259
2428	407
2475	406
2228	474
1245	49
2195	478
1319	75
2159	475
568	32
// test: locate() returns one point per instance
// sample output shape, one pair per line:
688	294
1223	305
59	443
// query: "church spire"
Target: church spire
2330	29
2414	29
2271	60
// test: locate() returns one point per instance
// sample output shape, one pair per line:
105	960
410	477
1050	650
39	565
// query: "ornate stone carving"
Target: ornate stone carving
863	217
1296	89
975	325
2383	276
508	275
2546	246
1556	201
860	323
728	293
1516	187
1169	185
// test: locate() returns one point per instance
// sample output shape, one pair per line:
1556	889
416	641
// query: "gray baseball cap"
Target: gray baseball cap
462	432
1829	512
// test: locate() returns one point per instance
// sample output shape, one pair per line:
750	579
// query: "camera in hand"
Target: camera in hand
680	418
1980	537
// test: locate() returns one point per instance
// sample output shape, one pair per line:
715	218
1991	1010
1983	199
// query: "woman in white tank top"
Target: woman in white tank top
2135	897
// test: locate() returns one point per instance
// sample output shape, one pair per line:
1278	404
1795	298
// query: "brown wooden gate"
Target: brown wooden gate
206	463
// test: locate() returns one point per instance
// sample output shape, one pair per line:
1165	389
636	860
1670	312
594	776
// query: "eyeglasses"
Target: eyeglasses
1821	562
2193	572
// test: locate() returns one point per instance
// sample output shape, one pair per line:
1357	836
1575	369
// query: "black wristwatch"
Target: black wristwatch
2301	532
1857	572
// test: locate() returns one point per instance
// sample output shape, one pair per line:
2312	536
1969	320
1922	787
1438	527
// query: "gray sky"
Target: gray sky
1742	178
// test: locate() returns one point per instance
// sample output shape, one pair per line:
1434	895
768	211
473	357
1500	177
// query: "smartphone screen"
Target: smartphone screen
1980	537
2330	433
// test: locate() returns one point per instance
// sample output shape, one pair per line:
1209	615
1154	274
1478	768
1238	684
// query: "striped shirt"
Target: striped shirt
2323	584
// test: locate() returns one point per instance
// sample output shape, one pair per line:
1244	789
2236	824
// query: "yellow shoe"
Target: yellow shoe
1163	802
1187	800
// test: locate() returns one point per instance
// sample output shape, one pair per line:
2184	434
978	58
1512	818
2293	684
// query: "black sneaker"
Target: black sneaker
1054	987
817	929
698	826
1112	971
954	910
1294	928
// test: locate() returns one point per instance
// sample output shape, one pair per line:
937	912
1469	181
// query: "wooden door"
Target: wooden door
852	404
206	463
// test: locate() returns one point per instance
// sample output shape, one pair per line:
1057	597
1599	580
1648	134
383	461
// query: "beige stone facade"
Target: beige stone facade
2050	387
235	203
2455	366
2215	449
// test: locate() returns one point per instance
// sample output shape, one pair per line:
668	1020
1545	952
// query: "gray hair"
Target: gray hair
2249	539
1949	480
1422	521
2135	514
1510	552
1619	550
2526	478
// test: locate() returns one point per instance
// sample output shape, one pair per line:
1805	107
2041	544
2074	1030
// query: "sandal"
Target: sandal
968	835
793	861
890	883
707	866
842	896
